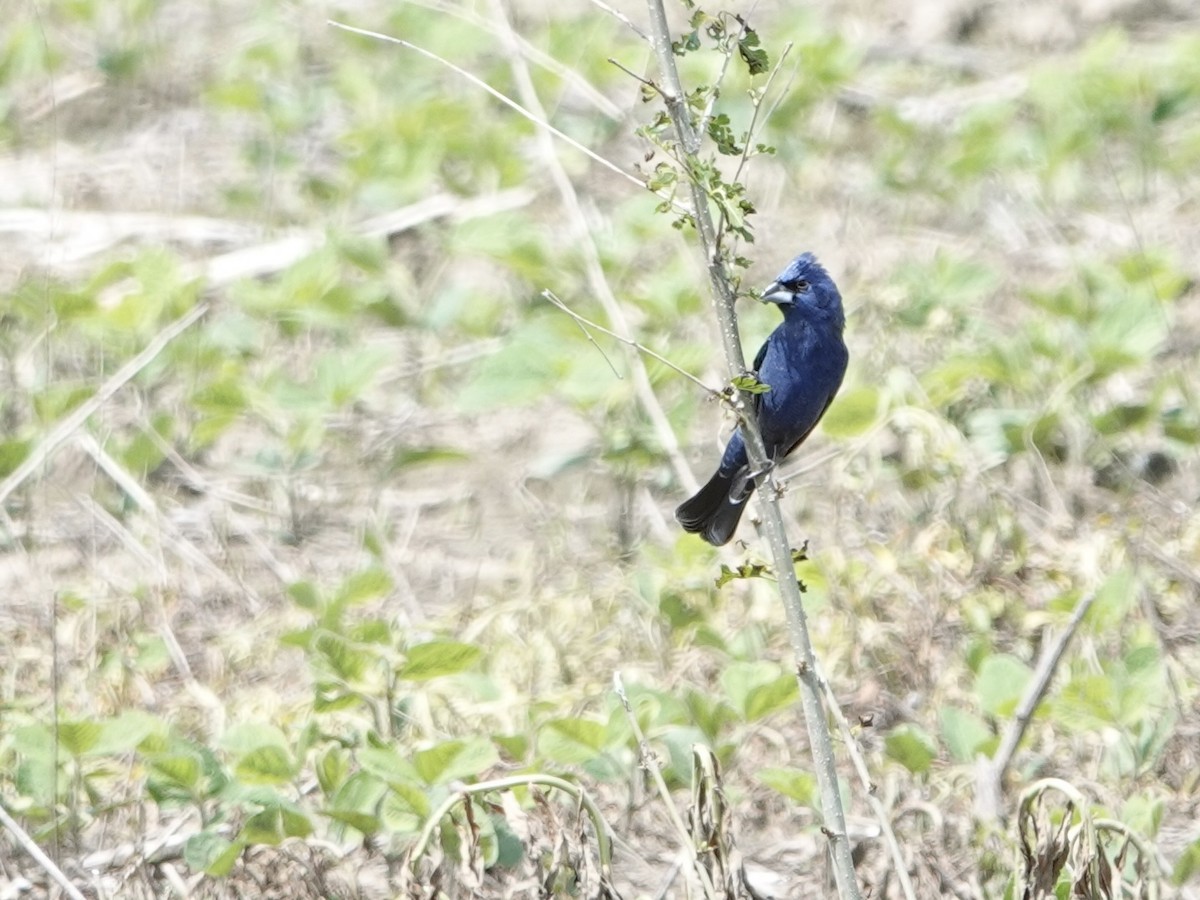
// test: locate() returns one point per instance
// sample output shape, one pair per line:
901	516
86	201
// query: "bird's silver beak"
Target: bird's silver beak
777	293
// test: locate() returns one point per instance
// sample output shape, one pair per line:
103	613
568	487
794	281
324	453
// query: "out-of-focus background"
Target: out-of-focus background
313	505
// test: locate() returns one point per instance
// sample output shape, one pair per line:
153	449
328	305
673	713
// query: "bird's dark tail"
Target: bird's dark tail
717	508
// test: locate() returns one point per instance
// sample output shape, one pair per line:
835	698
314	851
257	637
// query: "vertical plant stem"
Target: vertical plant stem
789	587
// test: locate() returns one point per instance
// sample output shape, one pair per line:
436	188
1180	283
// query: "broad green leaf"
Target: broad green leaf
510	849
752	54
79	736
796	784
963	733
127	731
437	658
1143	812
571	741
181	769
398	814
455	759
768	698
370	584
1115	598
1188	864
386	763
275	824
912	747
347	660
852	413
679	742
1000	683
305	595
344	375
266	765
242	738
365	823
211	853
332	768
525	369
12	454
757	688
408	796
358	798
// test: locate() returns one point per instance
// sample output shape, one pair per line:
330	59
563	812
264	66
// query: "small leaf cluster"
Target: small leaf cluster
728	36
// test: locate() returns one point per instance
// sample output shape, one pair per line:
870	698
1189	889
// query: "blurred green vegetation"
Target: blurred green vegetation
1015	413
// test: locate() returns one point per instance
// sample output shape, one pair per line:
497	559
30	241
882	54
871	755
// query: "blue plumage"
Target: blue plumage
803	361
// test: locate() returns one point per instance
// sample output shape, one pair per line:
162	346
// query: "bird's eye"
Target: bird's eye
802	286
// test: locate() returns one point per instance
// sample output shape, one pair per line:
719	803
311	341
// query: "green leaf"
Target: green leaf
80	736
347	660
357	801
571	741
750	384
455	759
752	54
963	733
510	849
275	824
127	731
1000	683
12	454
768	698
306	596
363	822
266	765
744	571
211	853
1114	600
912	747
399	815
409	457
387	764
181	769
795	784
436	659
344	375
247	736
1188	864
852	413
370	584
757	688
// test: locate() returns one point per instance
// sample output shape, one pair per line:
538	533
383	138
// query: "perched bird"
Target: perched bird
802	363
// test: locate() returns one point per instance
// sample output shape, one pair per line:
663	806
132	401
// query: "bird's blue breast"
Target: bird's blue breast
804	363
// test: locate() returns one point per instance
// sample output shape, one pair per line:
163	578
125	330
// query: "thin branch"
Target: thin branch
754	125
71	423
640	348
864	777
533	53
591	340
593	268
632	74
820	741
752	129
990	776
622	18
507	101
39	856
650	764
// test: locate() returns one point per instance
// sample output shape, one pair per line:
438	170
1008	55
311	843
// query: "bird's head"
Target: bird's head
805	286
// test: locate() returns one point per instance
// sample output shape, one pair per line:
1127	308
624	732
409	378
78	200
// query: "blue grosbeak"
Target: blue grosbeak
802	363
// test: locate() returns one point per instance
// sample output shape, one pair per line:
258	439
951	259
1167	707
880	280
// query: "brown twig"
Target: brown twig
990	773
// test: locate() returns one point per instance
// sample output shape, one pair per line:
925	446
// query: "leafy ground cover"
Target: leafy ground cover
316	511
